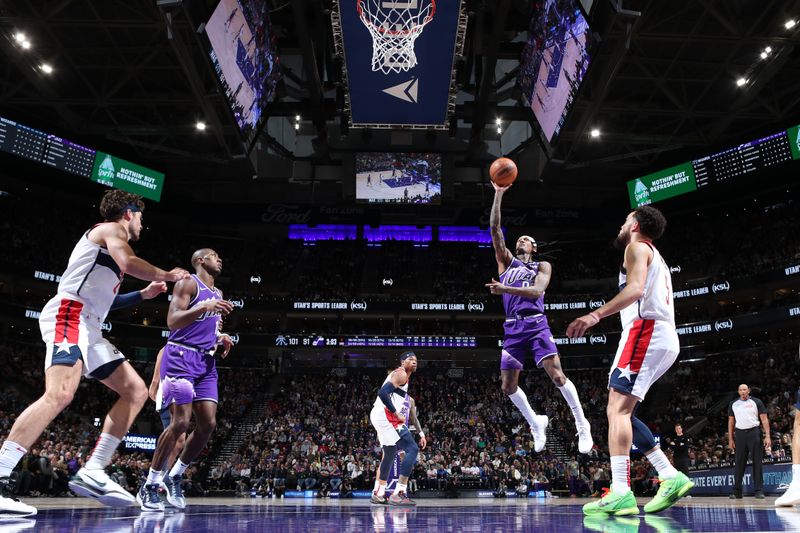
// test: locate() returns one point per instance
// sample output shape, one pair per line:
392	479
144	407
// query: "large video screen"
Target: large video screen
554	62
243	52
398	178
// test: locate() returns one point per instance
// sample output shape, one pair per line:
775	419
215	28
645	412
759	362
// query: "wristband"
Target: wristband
421	435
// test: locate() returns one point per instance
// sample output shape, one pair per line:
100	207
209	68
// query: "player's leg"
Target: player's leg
166	481
407	444
792	494
512	356
552	365
387	458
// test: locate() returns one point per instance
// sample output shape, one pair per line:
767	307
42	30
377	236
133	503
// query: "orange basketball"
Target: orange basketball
503	171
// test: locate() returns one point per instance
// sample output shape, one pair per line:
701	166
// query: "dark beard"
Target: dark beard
621	242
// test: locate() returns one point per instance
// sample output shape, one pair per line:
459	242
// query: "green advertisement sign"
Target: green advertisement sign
661	185
794	141
124	175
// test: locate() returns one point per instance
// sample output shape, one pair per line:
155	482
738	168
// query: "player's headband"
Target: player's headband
133	207
406	355
531	239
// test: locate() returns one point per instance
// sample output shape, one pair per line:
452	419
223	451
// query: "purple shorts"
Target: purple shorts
528	335
187	376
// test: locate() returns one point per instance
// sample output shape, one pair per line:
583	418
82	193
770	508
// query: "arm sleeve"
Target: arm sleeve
385	395
762	409
126	300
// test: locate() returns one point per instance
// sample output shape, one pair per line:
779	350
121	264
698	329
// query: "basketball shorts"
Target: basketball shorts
388	432
70	332
187	375
526	336
647	349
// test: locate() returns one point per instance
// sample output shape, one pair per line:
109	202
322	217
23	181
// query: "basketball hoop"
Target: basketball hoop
394	26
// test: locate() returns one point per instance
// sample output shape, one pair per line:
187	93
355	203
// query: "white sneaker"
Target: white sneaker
790	497
539	432
10	507
174	489
96	484
585	442
148	500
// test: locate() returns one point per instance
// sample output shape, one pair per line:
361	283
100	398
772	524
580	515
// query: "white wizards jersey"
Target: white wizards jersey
656	301
401	402
92	277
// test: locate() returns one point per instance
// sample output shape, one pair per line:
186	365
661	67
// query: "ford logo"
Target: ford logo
597	339
237	303
105	326
675	269
358	306
723	324
725	286
595	304
255	279
388	282
475	307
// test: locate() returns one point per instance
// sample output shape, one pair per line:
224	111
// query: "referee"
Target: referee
745	440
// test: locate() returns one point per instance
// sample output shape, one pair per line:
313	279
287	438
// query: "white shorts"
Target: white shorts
387	432
70	333
647	349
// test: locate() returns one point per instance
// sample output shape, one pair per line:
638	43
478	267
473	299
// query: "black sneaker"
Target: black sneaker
759	495
736	496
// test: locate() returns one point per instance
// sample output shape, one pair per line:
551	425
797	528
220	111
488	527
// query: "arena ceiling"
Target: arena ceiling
132	76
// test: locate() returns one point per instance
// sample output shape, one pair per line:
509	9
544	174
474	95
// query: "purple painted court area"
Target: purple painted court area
301	516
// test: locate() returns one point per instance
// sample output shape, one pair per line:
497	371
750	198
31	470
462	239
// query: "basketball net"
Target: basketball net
394	27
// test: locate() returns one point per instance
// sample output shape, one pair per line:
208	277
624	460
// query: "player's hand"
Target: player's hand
177	274
423	442
223	307
732	445
768	445
154	289
227	344
496	287
500	189
153	390
578	327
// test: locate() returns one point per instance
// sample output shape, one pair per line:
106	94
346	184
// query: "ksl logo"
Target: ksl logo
596	304
105	326
358	306
723	324
725	286
239	304
388	282
675	269
234	337
475	307
597	339
255	279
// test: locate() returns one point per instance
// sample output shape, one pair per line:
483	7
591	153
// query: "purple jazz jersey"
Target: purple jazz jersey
519	274
202	333
526	328
187	376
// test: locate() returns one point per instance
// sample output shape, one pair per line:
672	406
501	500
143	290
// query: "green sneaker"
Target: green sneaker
596	521
613	504
611	524
670	491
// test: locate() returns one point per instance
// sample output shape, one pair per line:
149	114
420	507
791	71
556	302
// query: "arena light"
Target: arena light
764	55
740	82
789	24
499	129
200	125
26	45
46	68
498	121
595	133
20	37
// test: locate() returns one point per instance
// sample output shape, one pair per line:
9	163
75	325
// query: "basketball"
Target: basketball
503	171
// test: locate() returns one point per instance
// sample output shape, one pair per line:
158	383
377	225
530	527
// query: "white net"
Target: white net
394	27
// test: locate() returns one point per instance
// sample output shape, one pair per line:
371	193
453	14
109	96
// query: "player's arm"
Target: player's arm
501	253
180	315
132	298
397	379
153	389
415	422
533	292
224	339
762	415
731	425
115	239
637	259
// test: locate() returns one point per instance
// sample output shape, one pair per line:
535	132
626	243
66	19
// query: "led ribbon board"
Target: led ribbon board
399	58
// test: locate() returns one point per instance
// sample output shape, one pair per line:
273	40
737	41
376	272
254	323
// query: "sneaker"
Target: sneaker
614	504
380	500
96	484
663	524
669	492
585	441
759	495
401	499
17	525
148	499
735	496
790	497
174	489
539	432
596	522
11	507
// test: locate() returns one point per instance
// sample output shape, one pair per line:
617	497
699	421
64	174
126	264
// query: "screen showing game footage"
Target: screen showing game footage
243	53
554	62
398	178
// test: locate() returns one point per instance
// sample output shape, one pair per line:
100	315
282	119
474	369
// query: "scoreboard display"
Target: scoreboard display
720	167
53	151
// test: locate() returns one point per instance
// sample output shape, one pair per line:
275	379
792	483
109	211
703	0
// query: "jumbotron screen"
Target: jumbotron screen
398	178
554	62
243	52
